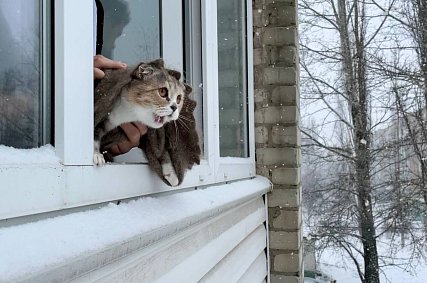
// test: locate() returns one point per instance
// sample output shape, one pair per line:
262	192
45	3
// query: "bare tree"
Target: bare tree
408	79
346	93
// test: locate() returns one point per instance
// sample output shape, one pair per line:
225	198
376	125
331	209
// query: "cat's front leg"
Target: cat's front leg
168	171
98	158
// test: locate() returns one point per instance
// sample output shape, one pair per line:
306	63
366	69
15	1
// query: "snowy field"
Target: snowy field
343	270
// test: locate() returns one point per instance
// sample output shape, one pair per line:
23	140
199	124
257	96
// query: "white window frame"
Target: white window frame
76	182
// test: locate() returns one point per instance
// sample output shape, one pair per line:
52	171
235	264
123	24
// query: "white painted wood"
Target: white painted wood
236	263
74	81
257	272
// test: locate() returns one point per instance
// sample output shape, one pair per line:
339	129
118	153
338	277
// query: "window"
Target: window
131	30
24	74
193	54
205	40
132	34
233	87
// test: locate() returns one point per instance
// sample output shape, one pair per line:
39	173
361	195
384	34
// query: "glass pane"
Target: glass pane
21	97
232	64
131	30
193	71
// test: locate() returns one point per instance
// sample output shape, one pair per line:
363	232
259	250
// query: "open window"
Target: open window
208	41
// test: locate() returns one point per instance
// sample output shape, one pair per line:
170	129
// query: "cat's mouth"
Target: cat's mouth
158	119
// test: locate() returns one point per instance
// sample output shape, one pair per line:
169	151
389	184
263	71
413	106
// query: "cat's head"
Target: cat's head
157	91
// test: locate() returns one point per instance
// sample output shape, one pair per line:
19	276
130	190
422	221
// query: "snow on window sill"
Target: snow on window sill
44	155
58	244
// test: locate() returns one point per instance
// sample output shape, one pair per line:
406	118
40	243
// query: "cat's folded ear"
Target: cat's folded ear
188	89
146	69
158	63
175	74
142	70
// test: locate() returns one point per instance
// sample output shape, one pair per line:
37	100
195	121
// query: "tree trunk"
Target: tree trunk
421	31
354	68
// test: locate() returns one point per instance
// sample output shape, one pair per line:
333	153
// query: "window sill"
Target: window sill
51	186
72	245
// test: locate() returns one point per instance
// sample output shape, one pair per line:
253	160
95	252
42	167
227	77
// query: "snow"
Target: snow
34	156
32	247
342	269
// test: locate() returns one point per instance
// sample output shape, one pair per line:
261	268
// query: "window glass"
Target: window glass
131	30
193	71
24	105
232	76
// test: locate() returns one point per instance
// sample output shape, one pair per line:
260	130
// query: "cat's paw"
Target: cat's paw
169	174
98	159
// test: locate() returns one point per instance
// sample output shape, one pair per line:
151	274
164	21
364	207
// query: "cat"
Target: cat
155	96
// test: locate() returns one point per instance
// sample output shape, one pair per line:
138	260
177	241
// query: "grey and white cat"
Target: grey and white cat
150	94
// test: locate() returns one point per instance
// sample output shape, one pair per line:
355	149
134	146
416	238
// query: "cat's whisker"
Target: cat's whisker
176	132
185	118
182	123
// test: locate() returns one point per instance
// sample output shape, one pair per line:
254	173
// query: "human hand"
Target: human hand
100	63
133	132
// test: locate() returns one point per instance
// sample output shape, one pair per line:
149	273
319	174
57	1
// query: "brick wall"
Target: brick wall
277	131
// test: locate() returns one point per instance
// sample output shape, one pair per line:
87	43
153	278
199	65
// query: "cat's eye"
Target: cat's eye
163	92
178	99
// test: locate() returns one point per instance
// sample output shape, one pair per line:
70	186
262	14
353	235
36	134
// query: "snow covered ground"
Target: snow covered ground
344	271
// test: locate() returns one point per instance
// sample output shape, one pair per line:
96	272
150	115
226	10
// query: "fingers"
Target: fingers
120	148
141	127
115	150
98	74
102	62
133	132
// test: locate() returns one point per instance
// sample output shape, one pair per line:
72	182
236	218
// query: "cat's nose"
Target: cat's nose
173	107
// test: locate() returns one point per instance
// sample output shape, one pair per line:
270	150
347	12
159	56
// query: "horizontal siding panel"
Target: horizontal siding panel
257	272
199	263
174	259
235	264
209	227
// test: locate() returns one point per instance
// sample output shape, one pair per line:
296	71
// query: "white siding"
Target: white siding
233	240
223	240
232	267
